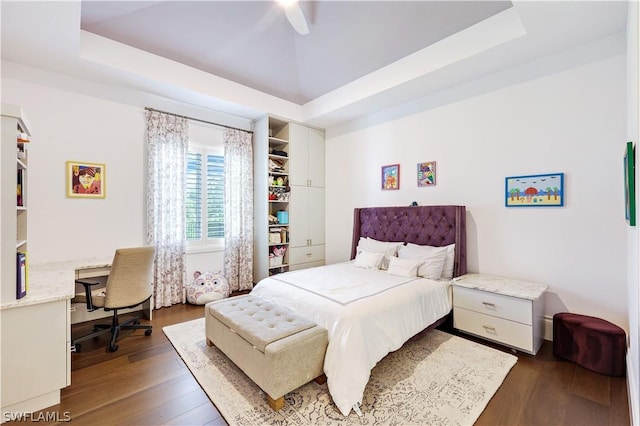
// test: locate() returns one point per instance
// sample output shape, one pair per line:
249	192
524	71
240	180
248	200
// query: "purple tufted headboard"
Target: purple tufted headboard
425	225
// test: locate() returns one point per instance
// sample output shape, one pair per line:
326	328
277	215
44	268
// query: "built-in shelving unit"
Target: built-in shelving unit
16	137
271	197
34	319
288	163
278	197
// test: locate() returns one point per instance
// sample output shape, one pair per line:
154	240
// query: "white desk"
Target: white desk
36	335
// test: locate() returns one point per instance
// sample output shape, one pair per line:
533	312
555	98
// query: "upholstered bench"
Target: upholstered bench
591	342
278	350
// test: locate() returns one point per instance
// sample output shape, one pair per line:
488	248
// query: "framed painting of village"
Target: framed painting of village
545	190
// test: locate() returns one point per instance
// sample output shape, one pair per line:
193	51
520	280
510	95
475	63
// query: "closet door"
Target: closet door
298	155
315	149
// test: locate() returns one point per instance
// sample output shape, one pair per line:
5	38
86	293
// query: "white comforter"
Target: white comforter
367	314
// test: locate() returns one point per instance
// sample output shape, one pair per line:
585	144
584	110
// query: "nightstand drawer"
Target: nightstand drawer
492	328
496	305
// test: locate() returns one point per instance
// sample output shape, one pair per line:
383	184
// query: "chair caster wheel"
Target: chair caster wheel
113	348
147	332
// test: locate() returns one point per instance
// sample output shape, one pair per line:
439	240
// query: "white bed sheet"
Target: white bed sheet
367	315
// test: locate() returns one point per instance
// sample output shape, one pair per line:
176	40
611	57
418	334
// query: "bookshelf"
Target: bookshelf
271	196
16	137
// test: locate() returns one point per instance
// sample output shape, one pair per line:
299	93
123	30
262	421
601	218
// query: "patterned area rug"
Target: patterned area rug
434	379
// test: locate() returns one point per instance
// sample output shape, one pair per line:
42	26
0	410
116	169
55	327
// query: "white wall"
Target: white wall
570	121
68	125
633	265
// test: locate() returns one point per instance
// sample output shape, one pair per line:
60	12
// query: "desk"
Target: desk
36	335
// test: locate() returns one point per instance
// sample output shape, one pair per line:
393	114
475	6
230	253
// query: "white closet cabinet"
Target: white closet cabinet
307	221
307	156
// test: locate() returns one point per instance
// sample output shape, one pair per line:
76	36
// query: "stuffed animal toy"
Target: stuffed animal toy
207	287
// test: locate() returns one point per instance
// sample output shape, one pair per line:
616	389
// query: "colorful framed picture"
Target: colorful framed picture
391	176
427	173
630	184
85	180
534	190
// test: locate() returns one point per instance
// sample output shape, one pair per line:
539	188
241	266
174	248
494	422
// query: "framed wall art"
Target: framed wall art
427	173
630	184
391	176
534	190
85	180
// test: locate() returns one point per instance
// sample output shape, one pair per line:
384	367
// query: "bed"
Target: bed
367	312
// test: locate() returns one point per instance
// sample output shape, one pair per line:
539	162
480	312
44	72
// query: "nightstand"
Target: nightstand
503	310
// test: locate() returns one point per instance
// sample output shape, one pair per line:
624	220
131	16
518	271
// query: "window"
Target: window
204	198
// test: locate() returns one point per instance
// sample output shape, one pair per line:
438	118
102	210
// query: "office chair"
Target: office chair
129	284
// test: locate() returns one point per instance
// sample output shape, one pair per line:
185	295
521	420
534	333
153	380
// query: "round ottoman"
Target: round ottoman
591	342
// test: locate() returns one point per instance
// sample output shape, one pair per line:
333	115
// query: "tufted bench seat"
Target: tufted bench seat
278	350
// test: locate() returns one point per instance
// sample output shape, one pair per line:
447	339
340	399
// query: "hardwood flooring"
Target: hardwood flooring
146	383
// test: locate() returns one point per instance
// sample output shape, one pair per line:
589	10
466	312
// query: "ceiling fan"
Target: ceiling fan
295	16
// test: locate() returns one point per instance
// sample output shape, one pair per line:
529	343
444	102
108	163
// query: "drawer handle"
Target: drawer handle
308	254
489	328
489	305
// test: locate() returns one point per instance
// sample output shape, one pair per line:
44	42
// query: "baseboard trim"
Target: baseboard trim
632	393
548	328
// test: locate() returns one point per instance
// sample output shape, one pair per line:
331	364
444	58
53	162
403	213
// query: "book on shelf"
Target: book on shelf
22	275
20	188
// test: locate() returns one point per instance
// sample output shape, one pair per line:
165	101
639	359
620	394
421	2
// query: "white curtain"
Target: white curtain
167	143
238	209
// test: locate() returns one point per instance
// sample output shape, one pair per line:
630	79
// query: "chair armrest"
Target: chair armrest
87	291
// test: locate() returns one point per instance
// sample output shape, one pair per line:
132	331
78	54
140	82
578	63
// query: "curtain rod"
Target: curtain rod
197	119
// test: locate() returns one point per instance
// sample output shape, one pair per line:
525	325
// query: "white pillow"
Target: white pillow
404	267
447	270
368	260
433	258
388	249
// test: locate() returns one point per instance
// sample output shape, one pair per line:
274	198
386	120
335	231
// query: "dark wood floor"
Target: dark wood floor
146	383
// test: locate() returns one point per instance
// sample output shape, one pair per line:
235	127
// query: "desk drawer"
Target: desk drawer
497	305
492	328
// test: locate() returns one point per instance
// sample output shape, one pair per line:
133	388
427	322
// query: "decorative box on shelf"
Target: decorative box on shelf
276	260
275	237
283	217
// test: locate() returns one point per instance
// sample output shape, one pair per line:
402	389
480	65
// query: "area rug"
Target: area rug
434	379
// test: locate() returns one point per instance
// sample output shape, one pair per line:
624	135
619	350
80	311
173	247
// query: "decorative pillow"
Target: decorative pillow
447	270
404	267
207	287
388	249
433	258
368	260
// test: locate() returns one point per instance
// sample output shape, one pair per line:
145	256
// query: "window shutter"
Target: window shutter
215	196
193	198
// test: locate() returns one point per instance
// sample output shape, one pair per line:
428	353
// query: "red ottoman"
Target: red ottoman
593	343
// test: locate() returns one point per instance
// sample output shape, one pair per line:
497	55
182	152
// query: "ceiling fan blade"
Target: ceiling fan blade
296	18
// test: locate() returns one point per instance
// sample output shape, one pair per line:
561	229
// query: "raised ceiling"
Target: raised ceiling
252	43
361	59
